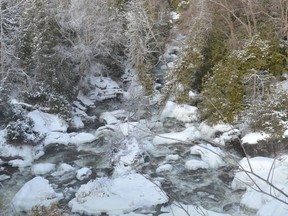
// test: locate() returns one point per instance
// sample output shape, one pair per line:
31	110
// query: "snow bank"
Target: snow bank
182	210
35	192
190	133
117	196
183	112
253	138
164	168
276	172
212	156
45	122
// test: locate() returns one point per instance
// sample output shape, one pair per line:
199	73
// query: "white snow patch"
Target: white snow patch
108	118
188	134
45	122
77	122
195	164
69	138
273	170
126	193
176	210
42	168
174	15
164	168
35	192
81	138
85	100
209	154
183	112
253	138
83	173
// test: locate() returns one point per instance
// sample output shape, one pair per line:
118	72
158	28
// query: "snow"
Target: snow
69	138
179	209
42	168
174	15
127	193
81	138
273	170
183	112
105	88
164	168
77	122
36	192
45	122
108	118
190	133
253	138
85	100
212	156
195	164
27	153
63	168
83	173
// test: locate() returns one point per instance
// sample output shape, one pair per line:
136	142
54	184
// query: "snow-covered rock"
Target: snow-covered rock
173	157
183	112
117	196
69	138
213	156
36	192
191	133
195	164
42	168
77	122
45	122
63	168
83	173
253	138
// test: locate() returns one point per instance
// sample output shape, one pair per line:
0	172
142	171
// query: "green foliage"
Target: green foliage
223	95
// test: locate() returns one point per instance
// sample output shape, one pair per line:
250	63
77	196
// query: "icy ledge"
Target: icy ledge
117	196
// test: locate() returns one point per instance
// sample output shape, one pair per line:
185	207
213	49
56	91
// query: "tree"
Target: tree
10	31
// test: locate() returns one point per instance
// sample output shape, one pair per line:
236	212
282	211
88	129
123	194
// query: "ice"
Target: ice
85	100
253	138
57	137
45	122
196	164
209	154
117	196
77	122
164	168
108	118
83	173
42	168
183	112
274	171
36	192
63	168
173	157
187	135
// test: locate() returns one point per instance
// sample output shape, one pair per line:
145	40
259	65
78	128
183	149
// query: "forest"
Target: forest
200	77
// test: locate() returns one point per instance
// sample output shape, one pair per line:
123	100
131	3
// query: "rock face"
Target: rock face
270	147
36	192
